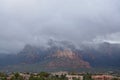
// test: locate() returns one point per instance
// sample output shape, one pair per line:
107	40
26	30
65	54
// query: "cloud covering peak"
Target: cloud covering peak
35	21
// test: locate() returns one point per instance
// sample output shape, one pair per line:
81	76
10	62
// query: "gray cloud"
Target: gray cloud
35	21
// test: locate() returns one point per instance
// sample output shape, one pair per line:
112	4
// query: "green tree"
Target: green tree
87	77
63	77
2	74
76	79
3	78
44	74
17	77
115	79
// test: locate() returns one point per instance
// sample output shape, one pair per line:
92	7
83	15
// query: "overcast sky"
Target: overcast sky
35	21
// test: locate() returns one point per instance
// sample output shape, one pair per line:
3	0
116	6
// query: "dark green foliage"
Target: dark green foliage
76	79
17	77
116	79
47	76
3	76
44	74
87	77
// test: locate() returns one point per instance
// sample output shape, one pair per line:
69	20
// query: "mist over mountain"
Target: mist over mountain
46	34
79	21
64	56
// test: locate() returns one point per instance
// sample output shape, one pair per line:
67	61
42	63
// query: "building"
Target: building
71	77
59	73
25	76
102	77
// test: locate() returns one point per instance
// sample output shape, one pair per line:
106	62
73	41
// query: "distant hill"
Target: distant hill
105	55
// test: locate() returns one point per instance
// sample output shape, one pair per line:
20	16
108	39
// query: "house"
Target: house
59	73
71	77
102	77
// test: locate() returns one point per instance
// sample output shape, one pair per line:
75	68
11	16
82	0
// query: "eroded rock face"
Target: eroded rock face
66	53
67	59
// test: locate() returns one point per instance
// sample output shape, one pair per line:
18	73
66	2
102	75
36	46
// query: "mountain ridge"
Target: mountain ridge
57	57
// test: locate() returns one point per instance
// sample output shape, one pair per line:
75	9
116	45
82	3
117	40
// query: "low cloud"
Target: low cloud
36	21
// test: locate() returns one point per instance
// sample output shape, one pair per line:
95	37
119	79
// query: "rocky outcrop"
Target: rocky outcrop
66	59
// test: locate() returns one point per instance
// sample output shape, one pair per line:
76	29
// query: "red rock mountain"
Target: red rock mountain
66	59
